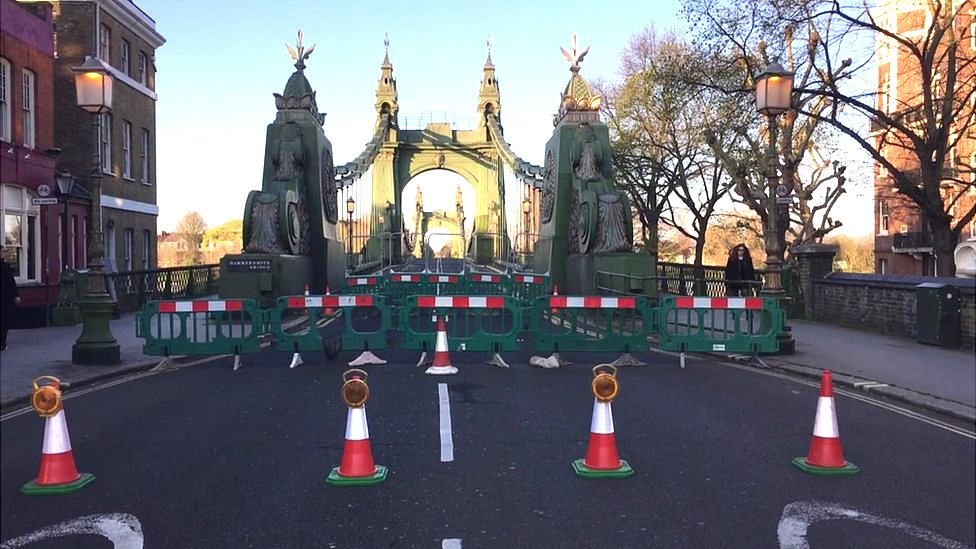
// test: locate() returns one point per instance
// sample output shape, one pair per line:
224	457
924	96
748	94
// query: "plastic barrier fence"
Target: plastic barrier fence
487	284
591	323
305	322
474	323
200	327
527	288
720	324
364	285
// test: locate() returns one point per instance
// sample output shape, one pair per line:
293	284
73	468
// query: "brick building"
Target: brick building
903	238
125	38
30	232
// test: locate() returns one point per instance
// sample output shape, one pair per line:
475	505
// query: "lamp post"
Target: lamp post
774	91
96	344
527	212
350	208
66	182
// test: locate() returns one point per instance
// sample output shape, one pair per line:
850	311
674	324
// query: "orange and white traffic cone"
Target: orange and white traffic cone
442	359
357	467
329	311
57	474
825	456
602	459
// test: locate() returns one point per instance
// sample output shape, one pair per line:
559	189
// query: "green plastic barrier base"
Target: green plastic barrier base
335	479
32	488
848	468
583	471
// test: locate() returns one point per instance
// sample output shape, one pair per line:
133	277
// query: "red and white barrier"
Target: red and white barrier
529	279
494	279
591	302
363	281
688	302
304	302
405	278
443	279
199	306
461	301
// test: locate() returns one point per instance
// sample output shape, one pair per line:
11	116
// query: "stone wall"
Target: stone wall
886	303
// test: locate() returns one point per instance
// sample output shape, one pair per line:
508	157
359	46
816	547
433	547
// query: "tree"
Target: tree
222	239
856	254
911	135
736	29
662	126
190	231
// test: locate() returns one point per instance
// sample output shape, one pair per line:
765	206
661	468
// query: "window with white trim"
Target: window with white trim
29	101
146	247
127	238
126	150
104	43
124	50
21	234
144	156
5	127
143	67
105	142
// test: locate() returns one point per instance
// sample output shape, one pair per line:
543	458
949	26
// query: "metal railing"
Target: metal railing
679	279
911	241
135	288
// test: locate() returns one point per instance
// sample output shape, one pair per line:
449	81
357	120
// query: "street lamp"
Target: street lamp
96	344
66	182
527	211
774	93
350	208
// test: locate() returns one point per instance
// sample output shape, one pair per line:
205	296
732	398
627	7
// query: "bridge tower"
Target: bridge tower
407	153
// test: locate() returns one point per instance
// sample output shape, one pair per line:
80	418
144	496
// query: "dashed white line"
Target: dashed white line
452	543
447	438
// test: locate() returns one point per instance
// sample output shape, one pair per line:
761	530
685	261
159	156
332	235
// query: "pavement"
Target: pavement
934	378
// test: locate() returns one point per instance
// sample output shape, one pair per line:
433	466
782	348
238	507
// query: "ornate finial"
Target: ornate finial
489	46
386	43
575	57
301	54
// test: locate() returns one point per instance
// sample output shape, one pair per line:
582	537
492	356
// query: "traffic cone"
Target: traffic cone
329	311
357	467
57	474
826	456
442	359
602	460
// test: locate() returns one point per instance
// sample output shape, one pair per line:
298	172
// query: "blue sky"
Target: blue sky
223	60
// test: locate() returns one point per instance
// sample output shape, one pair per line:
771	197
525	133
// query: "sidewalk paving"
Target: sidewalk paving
939	379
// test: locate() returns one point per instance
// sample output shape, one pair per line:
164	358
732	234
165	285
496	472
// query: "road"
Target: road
202	456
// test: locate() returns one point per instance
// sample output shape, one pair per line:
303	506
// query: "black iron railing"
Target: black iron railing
679	279
911	241
134	288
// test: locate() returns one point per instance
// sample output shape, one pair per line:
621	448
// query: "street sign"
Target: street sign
43	190
784	199
782	191
44	201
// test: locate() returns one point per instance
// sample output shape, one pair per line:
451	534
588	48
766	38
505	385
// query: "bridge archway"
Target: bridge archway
439	201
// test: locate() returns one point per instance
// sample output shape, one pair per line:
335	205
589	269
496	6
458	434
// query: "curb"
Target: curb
122	371
950	408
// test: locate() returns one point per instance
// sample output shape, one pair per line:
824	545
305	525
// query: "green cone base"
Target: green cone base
335	479
583	471
848	468
32	488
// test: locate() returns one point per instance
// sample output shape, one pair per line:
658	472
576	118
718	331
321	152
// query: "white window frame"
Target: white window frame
146	242
104	43
105	142
124	57
27	247
29	102
144	157
127	150
128	236
143	67
5	111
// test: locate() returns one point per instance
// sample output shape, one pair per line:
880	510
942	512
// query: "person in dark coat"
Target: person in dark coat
739	272
8	299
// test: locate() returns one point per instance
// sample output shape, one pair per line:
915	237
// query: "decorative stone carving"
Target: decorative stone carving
600	222
288	159
329	192
263	224
548	188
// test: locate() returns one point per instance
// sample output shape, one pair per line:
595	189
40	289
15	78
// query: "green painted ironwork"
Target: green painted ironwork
305	323
526	288
591	323
719	324
200	327
474	323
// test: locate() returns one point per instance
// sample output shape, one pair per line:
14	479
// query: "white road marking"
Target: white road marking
447	438
799	515
452	543
124	531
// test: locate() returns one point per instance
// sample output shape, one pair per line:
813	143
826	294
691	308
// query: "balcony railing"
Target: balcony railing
134	288
911	242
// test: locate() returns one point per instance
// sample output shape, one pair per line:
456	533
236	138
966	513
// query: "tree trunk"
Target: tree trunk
944	245
699	271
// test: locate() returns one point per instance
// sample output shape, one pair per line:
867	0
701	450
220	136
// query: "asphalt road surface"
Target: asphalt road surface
202	456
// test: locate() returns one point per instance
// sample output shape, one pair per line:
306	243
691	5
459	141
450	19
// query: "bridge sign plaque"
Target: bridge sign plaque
242	265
